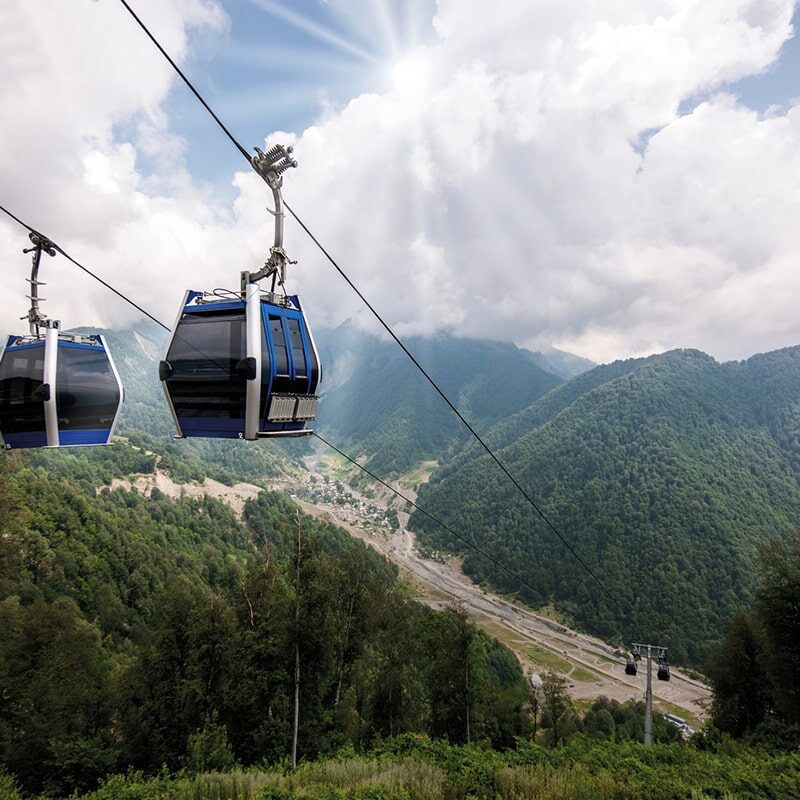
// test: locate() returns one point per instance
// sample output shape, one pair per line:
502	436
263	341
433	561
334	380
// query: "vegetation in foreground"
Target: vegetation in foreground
414	767
755	673
147	632
148	650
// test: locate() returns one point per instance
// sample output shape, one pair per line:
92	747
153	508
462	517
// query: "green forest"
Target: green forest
666	474
149	650
674	469
147	633
150	645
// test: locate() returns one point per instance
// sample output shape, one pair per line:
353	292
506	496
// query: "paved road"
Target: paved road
593	667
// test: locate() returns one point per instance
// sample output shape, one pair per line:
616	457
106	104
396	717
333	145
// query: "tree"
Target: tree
54	703
535	704
398	689
778	607
738	676
599	721
177	681
297	562
208	749
261	691
452	676
557	702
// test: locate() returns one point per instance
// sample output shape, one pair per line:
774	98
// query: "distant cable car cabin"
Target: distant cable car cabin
630	667
56	389
244	365
663	672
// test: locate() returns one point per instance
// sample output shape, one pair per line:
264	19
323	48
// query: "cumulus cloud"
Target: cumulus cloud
529	176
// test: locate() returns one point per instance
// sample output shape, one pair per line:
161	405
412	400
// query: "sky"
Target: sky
610	178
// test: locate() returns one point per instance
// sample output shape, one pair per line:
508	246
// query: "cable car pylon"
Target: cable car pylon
649	651
244	365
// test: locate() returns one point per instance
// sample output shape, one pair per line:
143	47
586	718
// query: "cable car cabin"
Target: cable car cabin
241	369
663	672
630	667
56	391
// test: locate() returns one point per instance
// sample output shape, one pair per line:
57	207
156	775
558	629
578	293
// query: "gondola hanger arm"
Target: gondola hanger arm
41	244
271	165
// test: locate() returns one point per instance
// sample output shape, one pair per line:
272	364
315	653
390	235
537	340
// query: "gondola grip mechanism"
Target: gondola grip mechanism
271	166
35	317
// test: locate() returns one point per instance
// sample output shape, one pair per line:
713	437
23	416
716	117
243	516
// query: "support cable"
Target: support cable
333	447
187	82
380	319
447	400
80	266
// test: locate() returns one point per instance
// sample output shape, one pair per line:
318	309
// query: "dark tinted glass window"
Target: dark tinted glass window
203	356
21	373
279	345
87	395
314	369
281	382
298	353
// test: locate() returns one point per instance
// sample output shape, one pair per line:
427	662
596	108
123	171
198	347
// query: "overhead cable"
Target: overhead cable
333	447
380	319
188	82
87	271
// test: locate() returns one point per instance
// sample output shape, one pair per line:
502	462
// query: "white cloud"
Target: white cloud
509	199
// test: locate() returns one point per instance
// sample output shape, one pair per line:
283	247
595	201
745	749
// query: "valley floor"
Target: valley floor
592	667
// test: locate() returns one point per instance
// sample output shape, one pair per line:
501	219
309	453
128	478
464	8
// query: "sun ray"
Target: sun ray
314	29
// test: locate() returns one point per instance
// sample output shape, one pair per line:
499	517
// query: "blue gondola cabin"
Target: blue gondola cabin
241	369
57	390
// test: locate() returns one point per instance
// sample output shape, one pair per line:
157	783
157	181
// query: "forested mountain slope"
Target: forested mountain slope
665	473
375	400
141	632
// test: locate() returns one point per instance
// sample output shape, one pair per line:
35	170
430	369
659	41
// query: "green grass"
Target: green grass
420	473
546	658
337	467
414	767
584	676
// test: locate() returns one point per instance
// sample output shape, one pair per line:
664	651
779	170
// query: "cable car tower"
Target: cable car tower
650	651
56	389
244	365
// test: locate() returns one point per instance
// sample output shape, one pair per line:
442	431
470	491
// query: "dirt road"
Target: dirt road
592	667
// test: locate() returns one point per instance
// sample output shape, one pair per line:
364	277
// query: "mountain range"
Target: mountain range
666	474
378	402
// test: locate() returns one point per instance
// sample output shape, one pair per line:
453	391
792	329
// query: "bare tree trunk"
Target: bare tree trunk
466	683
296	645
249	607
344	651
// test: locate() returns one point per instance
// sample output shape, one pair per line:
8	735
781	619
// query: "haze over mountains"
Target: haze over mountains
376	400
666	473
